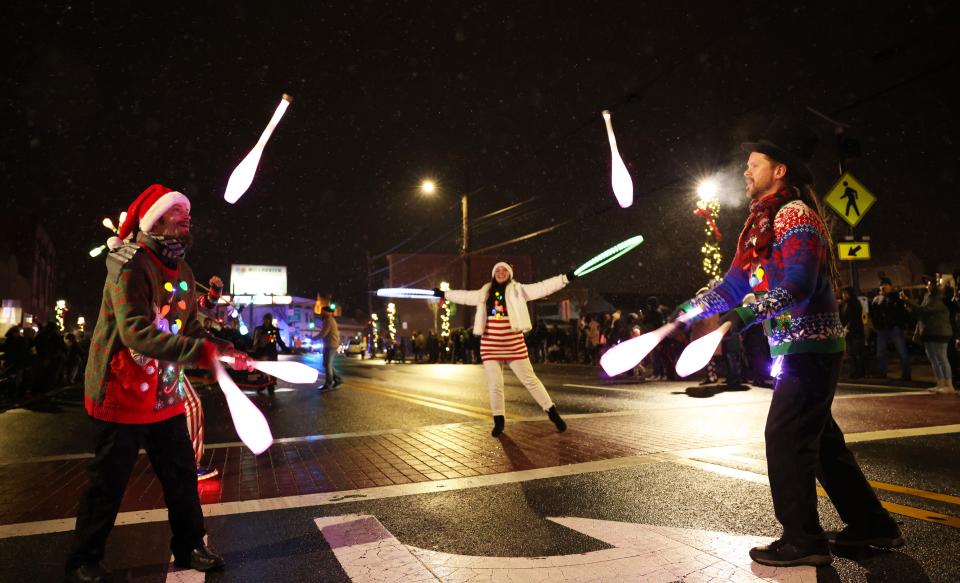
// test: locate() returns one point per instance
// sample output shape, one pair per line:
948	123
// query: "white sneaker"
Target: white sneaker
944	390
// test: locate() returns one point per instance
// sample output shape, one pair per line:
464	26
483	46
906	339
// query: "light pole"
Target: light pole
429	188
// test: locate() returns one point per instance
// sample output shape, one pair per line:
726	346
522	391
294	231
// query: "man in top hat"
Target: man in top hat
784	256
135	386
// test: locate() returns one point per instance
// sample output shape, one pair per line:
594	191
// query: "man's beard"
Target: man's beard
186	239
753	189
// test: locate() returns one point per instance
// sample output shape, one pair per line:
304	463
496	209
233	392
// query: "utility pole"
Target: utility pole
369	283
848	148
464	248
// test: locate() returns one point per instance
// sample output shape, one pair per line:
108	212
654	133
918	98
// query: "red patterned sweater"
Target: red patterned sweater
798	309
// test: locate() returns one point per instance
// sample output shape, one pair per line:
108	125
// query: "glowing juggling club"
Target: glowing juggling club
626	355
611	254
287	370
97	250
622	183
406	293
242	175
698	353
249	421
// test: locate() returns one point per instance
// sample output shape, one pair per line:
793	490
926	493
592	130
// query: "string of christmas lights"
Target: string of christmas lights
708	208
392	321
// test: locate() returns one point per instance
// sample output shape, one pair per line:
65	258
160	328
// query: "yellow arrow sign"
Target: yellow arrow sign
850	199
853	251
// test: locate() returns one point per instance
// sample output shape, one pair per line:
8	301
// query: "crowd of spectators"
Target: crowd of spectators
36	360
583	341
916	319
922	319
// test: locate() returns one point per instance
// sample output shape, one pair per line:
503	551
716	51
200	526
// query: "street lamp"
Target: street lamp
429	187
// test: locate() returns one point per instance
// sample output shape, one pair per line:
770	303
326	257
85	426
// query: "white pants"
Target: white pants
194	419
493	369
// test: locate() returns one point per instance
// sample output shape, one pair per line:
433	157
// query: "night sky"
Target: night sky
502	100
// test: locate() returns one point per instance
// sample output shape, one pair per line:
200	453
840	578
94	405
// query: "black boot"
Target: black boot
497	425
202	558
780	553
91	573
557	420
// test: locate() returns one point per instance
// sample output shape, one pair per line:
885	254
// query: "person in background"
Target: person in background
935	332
15	359
330	334
701	328
267	344
851	316
502	318
756	349
890	319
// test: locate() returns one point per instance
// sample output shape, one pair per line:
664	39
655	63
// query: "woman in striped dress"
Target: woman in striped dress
501	320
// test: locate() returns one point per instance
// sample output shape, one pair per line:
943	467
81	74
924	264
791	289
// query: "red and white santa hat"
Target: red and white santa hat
146	210
504	265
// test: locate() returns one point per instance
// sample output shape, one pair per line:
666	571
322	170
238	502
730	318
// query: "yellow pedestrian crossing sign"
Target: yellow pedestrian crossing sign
853	250
850	199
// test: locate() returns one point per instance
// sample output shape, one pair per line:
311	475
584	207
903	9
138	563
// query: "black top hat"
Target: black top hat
327	309
790	142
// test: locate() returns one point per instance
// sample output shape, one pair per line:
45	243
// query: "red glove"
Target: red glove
209	355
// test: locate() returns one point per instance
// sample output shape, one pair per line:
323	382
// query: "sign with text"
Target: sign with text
258	280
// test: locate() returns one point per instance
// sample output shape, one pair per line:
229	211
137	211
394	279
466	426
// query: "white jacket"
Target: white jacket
516	294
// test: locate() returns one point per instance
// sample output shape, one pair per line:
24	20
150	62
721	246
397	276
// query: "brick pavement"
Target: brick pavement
42	490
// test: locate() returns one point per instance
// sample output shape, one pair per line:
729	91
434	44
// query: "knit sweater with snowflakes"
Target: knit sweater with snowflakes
796	303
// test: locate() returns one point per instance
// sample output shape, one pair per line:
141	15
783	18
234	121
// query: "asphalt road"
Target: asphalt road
715	494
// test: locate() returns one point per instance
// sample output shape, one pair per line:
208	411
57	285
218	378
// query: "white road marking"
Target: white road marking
598	388
626	413
368	552
178	575
363	494
343	496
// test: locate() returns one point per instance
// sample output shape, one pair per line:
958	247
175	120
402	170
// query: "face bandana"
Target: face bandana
170	248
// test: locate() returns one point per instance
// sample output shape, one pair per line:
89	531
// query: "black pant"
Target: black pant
804	443
171	456
855	353
731	348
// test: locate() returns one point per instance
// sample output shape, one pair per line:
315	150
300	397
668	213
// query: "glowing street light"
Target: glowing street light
428	187
707	190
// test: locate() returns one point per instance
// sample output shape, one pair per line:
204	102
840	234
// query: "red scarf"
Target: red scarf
757	235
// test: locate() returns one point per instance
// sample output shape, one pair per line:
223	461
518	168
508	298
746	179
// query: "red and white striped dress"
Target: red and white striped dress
499	342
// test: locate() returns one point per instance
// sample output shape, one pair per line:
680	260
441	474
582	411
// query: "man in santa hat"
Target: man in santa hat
135	387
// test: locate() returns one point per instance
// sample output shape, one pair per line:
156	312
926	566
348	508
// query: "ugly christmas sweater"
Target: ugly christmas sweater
146	331
796	303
